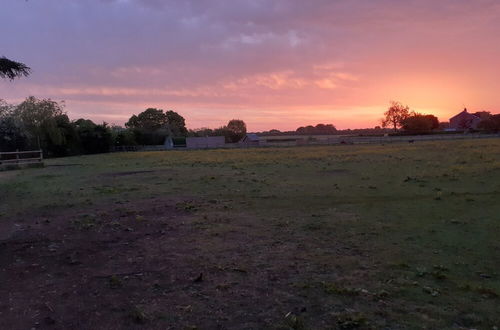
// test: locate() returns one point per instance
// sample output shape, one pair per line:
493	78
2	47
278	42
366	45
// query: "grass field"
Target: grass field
398	236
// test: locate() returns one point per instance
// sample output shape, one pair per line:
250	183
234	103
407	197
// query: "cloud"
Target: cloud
211	55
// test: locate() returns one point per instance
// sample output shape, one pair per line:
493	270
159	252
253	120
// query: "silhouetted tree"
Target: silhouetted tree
236	130
39	119
176	123
201	132
93	138
150	119
152	126
123	136
483	115
420	123
12	134
490	124
66	142
319	129
395	115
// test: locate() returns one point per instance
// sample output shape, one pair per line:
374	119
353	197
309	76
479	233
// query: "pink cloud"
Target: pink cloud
275	64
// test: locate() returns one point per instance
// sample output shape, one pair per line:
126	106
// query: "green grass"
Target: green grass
421	219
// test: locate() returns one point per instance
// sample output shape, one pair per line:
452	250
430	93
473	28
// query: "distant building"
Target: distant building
464	120
250	140
207	142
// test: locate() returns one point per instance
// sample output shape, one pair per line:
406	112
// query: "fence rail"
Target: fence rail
21	157
312	140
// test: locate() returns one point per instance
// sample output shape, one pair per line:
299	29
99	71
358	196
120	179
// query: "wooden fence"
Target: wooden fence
328	140
21	157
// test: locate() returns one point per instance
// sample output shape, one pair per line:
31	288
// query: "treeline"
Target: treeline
325	129
319	129
399	116
153	127
233	132
489	122
43	124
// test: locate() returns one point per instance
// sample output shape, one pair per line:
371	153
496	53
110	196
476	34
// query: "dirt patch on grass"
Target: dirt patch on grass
8	174
117	174
158	264
336	171
63	165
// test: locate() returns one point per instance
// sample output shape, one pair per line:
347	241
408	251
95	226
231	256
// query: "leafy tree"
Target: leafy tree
176	123
395	115
66	142
37	124
152	126
305	129
11	69
318	129
236	130
123	136
150	119
93	138
12	134
39	120
420	123
201	132
5	108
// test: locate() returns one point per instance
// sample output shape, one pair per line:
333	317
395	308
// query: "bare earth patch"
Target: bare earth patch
159	265
118	174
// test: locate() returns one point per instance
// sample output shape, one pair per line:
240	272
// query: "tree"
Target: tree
152	126
150	119
11	69
236	130
123	136
490	124
5	108
395	115
39	119
483	115
201	132
177	123
12	134
318	129
309	129
66	141
420	123
93	138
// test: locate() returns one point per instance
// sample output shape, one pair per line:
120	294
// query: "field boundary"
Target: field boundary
17	159
311	140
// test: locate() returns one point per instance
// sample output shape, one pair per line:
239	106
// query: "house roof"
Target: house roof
462	114
252	137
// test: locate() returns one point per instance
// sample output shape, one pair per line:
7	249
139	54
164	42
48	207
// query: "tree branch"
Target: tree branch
12	69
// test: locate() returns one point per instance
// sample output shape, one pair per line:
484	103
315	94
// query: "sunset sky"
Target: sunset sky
273	63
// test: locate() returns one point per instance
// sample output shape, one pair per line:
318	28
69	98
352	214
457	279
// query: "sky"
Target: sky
276	64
